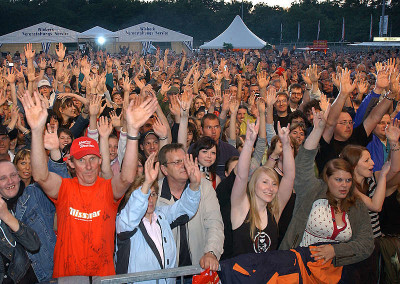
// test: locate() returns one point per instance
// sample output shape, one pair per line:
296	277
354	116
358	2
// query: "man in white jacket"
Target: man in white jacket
200	239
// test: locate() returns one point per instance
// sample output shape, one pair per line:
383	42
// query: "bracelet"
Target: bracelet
395	149
62	60
385	96
163	138
25	132
276	159
213	253
133	137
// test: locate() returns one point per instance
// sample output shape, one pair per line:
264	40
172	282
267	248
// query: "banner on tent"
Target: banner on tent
188	44
146	31
146	46
46	47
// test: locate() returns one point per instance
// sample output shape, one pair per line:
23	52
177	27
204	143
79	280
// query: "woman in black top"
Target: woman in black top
256	208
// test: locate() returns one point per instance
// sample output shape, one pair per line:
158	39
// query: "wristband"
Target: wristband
387	97
213	253
276	159
163	138
62	60
133	137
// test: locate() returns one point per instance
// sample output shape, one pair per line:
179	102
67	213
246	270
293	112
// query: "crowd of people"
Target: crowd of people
122	163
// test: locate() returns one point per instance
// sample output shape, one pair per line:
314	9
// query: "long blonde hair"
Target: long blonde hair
273	206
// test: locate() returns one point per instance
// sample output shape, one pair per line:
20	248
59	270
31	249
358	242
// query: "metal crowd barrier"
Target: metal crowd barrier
150	275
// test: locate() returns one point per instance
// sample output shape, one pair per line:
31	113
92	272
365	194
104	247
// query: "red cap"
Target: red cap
280	71
83	146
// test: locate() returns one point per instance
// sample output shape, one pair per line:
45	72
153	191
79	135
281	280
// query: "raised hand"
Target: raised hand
29	53
94	105
10	76
151	169
136	116
319	118
394	81
186	101
51	141
104	127
165	87
193	171
252	131
174	105
60	51
115	119
346	86
362	87
35	111
271	97
262	79
323	103
314	75
233	105
306	77
159	128
283	133
393	131
261	106
42	63
126	84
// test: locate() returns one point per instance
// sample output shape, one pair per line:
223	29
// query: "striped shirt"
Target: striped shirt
376	228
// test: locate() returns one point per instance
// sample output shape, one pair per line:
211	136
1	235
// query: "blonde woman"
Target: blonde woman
256	208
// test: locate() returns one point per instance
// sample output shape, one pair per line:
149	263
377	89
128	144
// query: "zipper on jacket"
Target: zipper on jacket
295	241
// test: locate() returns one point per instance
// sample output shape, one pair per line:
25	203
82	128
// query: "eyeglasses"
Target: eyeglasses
346	122
175	163
153	194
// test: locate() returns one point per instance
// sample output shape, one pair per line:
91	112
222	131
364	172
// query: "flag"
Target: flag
342	31
319	28
146	46
46	46
281	32
298	31
370	29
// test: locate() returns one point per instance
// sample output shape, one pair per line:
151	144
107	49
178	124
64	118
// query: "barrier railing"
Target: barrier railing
150	275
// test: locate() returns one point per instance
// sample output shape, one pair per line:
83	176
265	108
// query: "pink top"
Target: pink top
154	231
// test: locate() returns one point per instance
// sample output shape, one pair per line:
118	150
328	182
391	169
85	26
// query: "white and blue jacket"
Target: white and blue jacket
140	253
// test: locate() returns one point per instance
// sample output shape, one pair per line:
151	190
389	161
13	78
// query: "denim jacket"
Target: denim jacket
13	246
36	210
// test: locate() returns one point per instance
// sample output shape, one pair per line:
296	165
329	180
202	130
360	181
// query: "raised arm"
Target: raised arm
36	115
185	104
383	106
286	184
136	116
238	196
346	87
105	128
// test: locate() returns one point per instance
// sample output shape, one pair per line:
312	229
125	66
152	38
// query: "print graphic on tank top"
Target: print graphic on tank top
261	242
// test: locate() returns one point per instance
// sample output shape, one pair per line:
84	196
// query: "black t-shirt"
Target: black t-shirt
263	241
332	150
389	216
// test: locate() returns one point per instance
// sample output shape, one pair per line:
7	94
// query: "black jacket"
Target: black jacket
13	246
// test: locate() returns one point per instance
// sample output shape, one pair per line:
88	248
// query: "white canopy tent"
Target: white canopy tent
40	33
147	33
237	34
97	32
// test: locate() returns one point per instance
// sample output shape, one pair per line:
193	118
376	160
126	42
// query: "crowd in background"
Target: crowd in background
120	163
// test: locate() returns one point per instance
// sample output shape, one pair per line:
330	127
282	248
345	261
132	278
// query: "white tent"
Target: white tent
148	32
237	34
40	33
97	32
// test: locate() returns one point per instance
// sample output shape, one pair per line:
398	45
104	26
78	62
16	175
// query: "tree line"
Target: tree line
205	19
